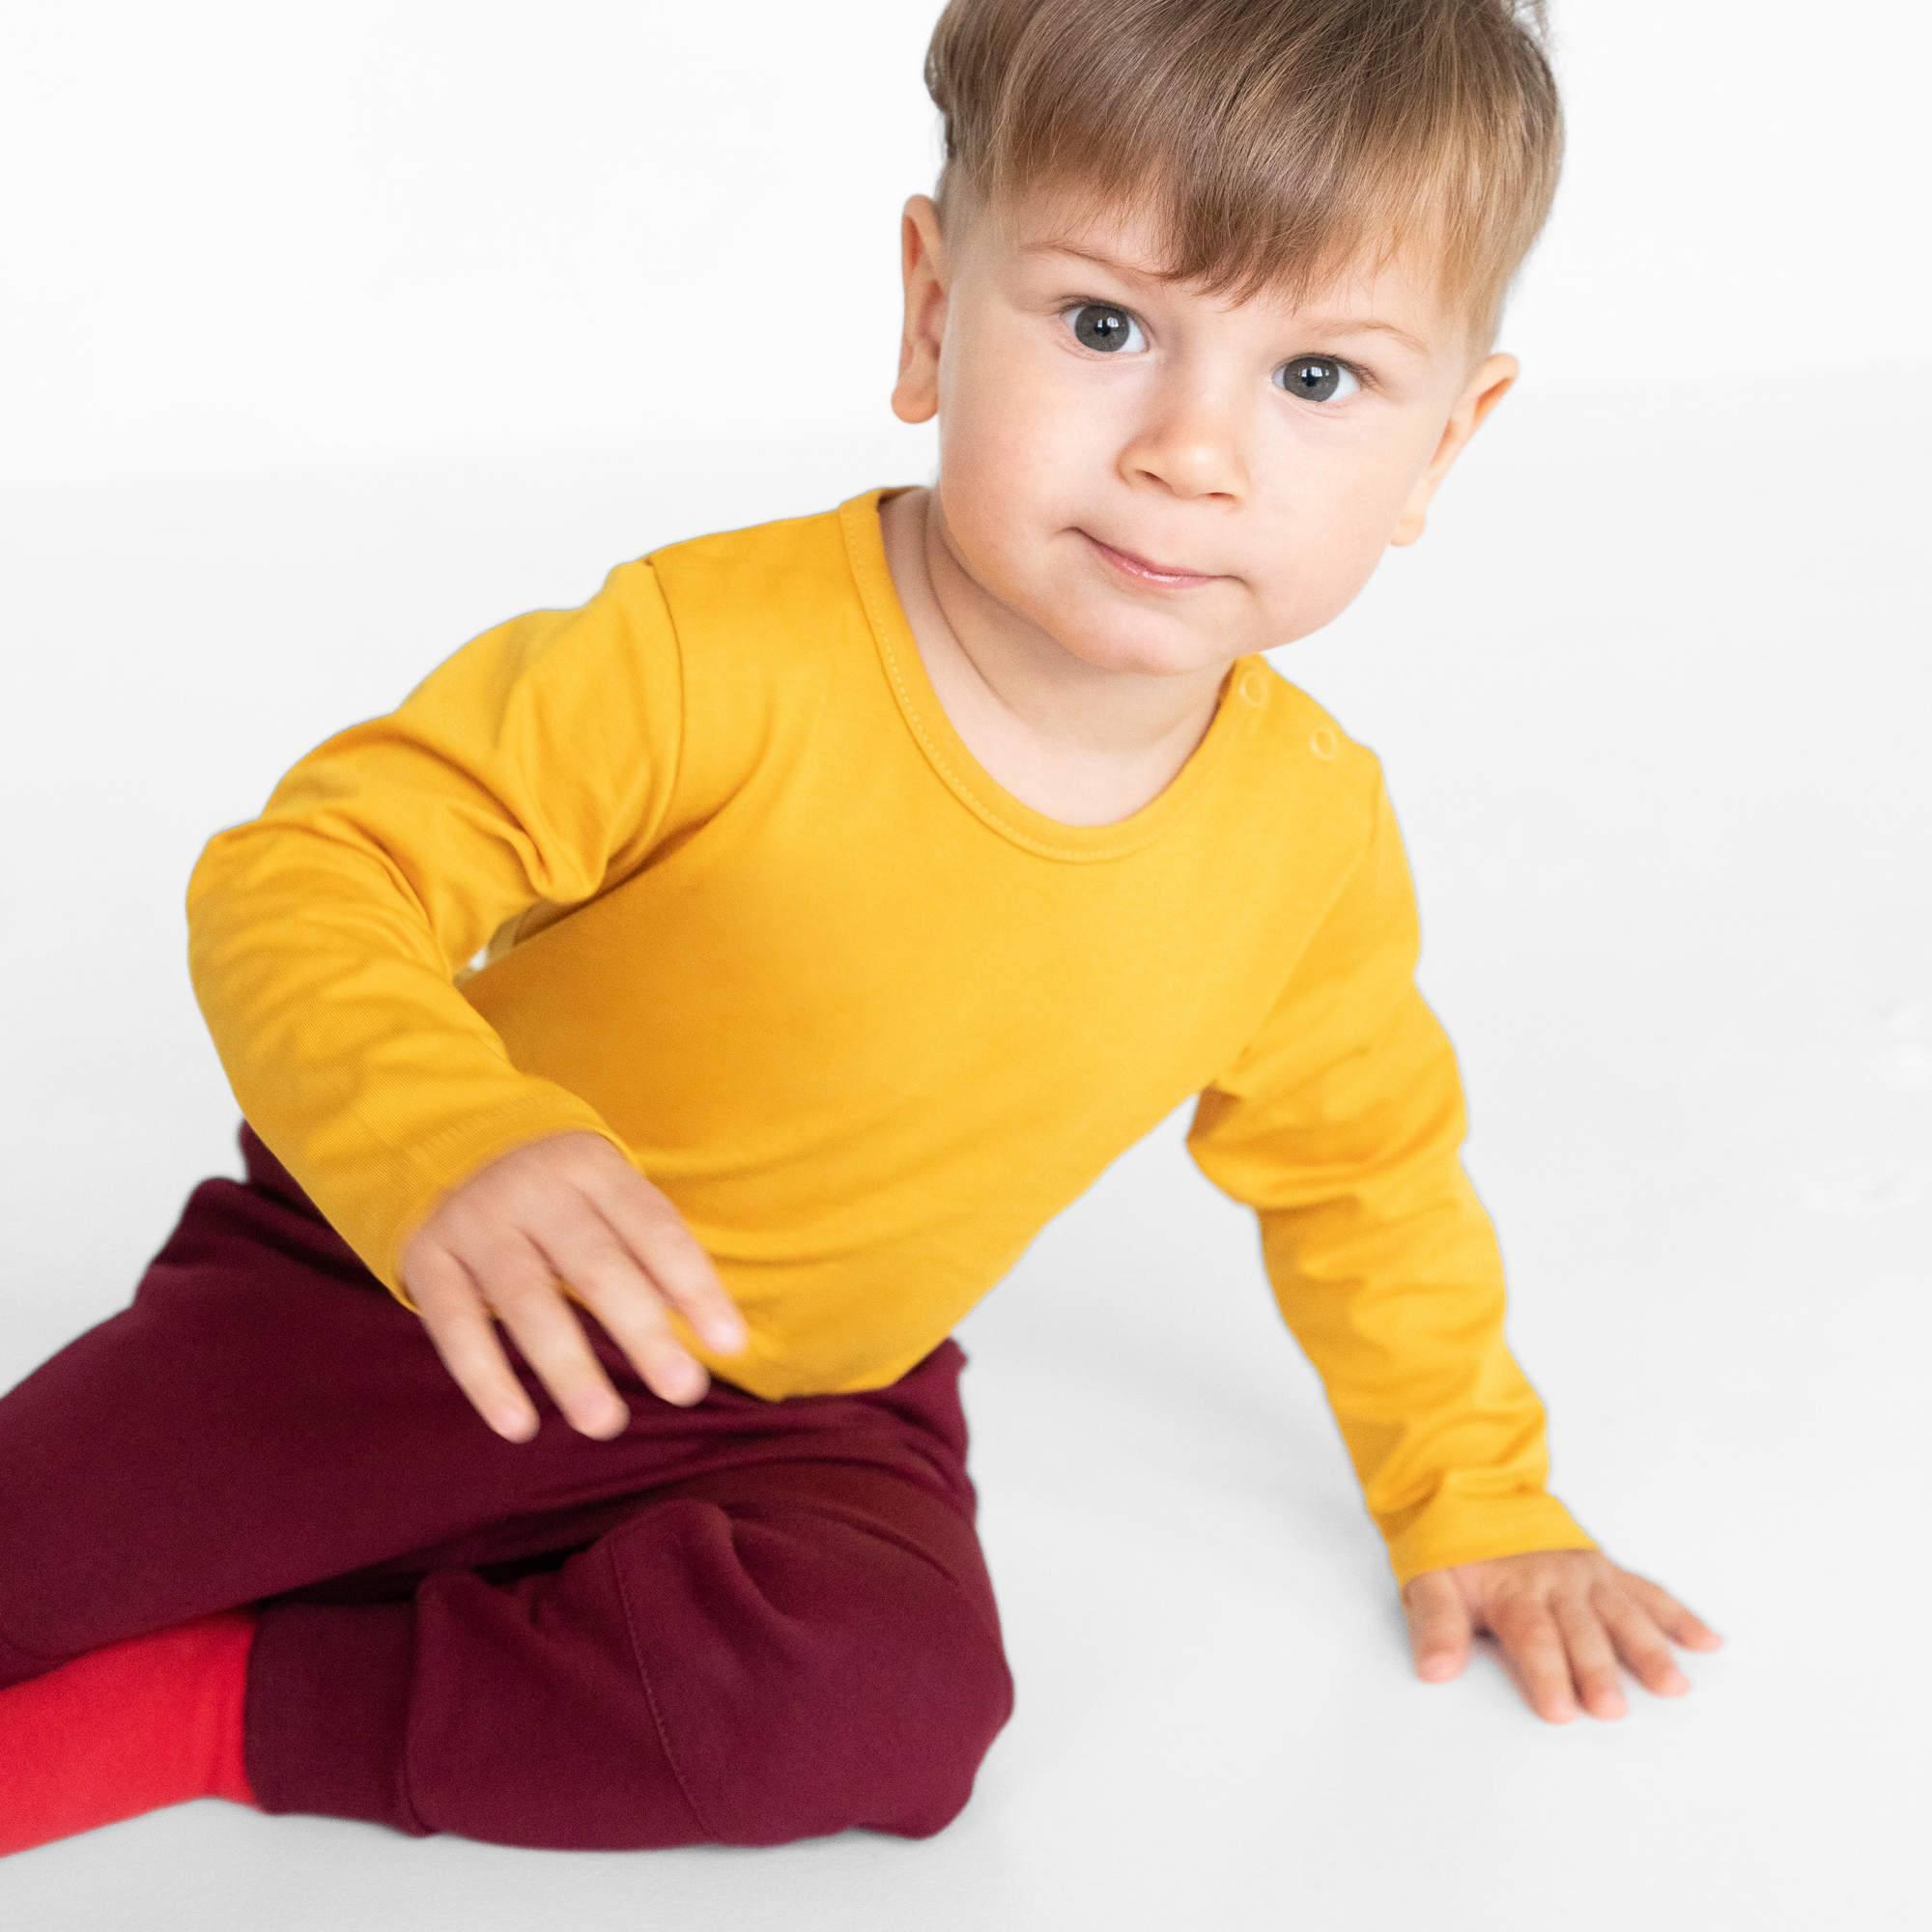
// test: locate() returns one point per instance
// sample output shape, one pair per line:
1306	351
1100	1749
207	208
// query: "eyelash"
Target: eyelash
1365	377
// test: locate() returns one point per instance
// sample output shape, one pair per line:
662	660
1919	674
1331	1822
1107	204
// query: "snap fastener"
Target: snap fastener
1251	687
1324	742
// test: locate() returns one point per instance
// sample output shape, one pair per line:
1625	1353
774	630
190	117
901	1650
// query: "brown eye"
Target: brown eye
1319	377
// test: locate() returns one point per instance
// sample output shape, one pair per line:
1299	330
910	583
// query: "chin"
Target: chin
1143	656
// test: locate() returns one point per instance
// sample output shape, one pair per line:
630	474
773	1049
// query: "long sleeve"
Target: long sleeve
1342	1124
326	935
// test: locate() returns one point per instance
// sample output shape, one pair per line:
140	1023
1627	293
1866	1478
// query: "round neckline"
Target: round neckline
1244	691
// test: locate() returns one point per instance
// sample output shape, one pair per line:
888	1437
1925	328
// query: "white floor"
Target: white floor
1653	693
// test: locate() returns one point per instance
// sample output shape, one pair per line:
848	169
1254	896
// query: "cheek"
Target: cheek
1012	390
1335	530
1350	480
994	531
1017	459
1341	505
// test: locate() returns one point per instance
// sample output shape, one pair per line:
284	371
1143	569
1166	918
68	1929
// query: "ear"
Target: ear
923	265
1483	391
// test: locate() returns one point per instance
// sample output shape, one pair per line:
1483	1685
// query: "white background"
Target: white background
331	335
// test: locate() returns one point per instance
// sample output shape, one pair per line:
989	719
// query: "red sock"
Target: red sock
127	1728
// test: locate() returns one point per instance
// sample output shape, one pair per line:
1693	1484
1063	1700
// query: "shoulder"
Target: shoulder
761	582
754	612
1314	754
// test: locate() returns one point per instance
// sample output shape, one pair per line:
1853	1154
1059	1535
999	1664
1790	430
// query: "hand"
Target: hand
566	1205
1559	1614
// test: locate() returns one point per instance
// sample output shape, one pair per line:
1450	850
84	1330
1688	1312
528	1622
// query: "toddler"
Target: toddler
754	957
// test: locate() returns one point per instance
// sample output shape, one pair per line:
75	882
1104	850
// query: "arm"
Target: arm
326	935
1342	1124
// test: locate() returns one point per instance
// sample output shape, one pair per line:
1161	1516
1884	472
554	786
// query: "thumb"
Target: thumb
1438	1625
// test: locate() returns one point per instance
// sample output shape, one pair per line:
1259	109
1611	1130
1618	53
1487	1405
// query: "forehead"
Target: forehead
1061	228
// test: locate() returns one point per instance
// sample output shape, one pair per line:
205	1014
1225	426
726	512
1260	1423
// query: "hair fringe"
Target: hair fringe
1271	145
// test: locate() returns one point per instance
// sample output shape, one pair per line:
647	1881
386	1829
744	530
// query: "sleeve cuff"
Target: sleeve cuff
1454	1530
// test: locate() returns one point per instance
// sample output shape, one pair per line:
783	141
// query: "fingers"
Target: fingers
522	1286
1566	1646
656	1233
1675	1619
1642	1644
1593	1663
1533	1645
1564	1618
1439	1626
460	1327
586	1251
565	1217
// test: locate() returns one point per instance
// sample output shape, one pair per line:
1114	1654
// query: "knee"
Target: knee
846	1681
926	1678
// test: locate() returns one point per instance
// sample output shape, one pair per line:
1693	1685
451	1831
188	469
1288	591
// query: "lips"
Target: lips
1148	562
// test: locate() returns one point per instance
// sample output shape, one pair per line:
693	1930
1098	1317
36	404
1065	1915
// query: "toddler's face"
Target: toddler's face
1276	451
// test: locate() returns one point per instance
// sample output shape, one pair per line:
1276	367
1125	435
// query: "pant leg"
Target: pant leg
265	1424
770	1653
265	1417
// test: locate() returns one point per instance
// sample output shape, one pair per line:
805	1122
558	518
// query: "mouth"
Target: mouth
1144	570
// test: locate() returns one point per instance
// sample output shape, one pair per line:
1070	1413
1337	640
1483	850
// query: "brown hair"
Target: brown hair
1271	144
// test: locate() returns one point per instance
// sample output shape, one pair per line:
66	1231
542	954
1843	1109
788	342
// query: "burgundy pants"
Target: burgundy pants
743	1622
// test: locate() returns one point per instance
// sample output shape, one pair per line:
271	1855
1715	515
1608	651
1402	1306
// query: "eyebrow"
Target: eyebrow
1333	325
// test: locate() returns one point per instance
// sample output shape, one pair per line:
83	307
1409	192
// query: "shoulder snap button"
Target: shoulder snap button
1323	743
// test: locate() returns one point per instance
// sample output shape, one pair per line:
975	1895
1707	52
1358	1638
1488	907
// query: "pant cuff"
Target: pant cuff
325	1725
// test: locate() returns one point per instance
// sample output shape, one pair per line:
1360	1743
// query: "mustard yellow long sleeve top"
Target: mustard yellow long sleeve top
749	908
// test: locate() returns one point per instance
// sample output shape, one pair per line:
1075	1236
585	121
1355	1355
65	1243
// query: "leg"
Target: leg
265	1418
769	1653
748	1621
